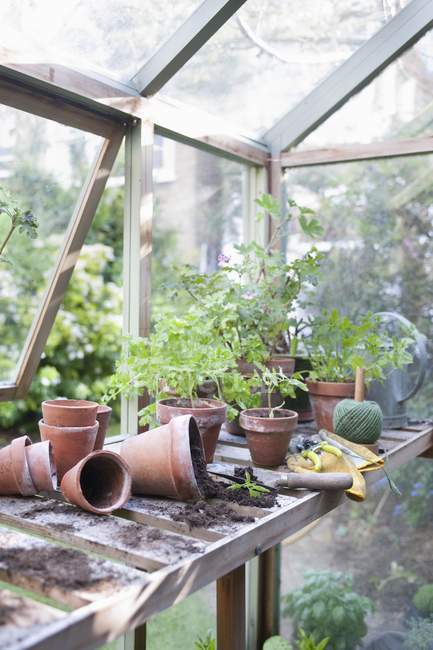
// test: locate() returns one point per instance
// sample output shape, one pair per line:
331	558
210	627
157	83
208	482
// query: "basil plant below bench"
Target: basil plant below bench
338	346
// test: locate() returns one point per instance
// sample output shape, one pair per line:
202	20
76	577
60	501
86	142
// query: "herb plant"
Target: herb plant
304	642
173	361
21	220
251	298
423	600
275	381
327	606
337	347
208	643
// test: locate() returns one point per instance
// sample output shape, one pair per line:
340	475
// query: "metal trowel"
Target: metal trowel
288	480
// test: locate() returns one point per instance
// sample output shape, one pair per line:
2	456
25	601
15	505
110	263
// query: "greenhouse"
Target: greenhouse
216	316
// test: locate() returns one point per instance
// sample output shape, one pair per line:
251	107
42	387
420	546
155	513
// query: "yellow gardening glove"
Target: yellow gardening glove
366	461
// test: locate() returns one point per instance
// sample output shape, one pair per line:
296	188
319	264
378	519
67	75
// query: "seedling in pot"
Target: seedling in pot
276	381
254	489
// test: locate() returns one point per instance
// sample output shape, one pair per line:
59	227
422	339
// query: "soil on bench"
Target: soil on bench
135	537
202	515
72	569
213	489
6	611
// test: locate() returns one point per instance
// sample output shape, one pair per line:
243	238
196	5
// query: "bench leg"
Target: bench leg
268	622
231	610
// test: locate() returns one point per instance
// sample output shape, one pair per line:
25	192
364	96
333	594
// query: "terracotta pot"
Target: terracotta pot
69	412
324	397
103	416
15	475
99	483
160	460
70	444
234	427
209	414
40	459
268	438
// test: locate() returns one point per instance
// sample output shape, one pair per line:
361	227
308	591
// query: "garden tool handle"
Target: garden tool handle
316	481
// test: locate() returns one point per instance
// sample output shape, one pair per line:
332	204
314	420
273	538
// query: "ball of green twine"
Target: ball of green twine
359	422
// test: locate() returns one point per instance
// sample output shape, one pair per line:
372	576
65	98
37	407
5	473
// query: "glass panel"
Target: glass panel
378	240
198	210
116	36
379	549
272	53
398	104
44	165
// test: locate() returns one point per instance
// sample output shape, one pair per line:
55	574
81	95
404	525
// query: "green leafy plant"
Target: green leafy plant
337	347
423	599
174	361
275	381
327	606
277	643
254	490
251	299
419	635
304	642
206	643
20	220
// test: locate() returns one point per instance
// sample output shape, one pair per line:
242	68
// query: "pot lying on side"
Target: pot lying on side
268	438
99	483
27	469
165	461
209	414
324	397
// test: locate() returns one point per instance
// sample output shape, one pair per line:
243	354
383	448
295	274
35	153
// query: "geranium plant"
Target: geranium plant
338	346
251	298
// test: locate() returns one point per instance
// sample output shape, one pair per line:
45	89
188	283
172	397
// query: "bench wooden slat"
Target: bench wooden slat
65	575
21	617
134	544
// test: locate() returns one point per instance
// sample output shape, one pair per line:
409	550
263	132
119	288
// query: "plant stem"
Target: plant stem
8	236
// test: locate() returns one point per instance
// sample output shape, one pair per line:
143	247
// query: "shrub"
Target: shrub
420	635
423	599
327	606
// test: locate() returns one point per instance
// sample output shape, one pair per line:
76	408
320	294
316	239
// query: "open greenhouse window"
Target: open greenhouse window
115	36
397	105
43	165
198	214
377	243
271	54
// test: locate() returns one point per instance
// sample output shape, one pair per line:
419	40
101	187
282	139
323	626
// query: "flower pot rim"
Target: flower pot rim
103	408
331	388
209	404
70	403
253	414
70	430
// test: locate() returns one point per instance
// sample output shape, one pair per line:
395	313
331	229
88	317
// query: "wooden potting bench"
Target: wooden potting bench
105	576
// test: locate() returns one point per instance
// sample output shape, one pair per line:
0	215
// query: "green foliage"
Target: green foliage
338	346
240	392
420	635
178	356
423	599
206	643
327	606
251	298
304	642
276	643
19	219
254	490
275	380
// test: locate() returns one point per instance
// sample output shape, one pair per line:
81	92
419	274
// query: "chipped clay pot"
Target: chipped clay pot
103	416
27	469
324	397
70	444
160	460
209	414
98	483
268	438
69	412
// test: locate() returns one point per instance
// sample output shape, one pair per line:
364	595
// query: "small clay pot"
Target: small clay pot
161	462
70	444
98	483
40	459
209	414
268	438
69	412
103	416
234	427
14	469
324	397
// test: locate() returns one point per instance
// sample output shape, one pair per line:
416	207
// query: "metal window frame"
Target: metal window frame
172	55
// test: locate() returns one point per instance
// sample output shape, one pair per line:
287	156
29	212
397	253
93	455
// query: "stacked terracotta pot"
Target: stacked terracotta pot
27	469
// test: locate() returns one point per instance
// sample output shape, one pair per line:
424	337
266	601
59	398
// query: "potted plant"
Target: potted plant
338	346
268	429
251	299
171	364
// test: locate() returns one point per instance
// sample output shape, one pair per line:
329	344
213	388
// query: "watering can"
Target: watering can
401	383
